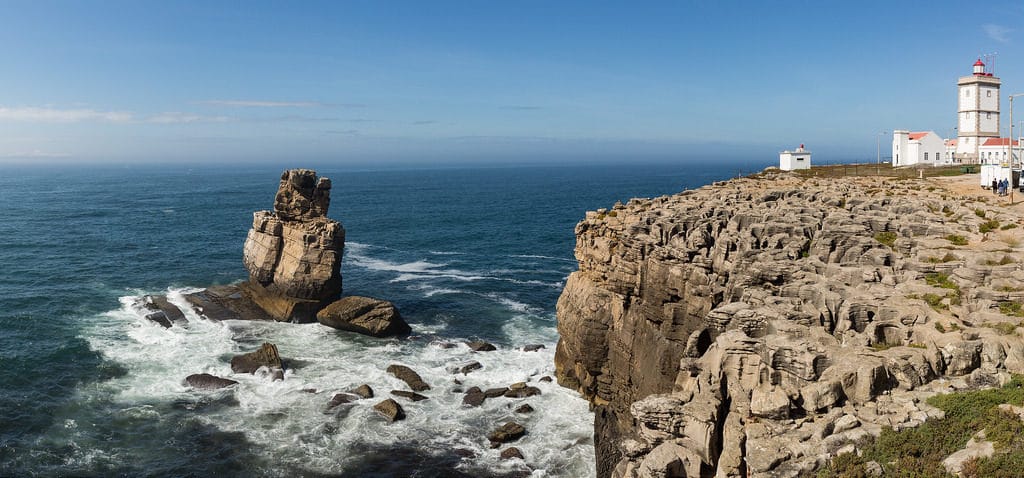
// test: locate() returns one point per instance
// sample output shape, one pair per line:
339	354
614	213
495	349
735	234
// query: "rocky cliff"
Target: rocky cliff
293	253
759	326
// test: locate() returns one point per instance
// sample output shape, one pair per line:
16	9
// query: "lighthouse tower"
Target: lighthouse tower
977	112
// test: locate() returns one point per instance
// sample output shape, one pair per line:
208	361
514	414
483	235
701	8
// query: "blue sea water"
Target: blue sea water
88	387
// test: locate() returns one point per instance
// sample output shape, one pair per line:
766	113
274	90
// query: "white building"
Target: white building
799	159
917	148
977	113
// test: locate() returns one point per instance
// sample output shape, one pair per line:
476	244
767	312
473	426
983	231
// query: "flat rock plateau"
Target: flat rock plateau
761	326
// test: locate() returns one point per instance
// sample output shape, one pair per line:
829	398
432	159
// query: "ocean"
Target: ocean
89	387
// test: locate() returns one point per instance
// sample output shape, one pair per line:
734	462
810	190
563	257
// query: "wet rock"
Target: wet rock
205	381
163	312
390	410
407	394
510	431
522	392
266	356
481	346
408	376
495	392
465	369
464	453
474	397
364	315
545	379
364	391
524	408
510	453
341	399
533	347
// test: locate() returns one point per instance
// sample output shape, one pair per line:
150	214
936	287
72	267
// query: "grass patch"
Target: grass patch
940	328
918	452
942	260
988	226
1004	328
980	213
957	239
948	211
1007	227
1013	309
938	279
1001	262
916	345
887	238
935	301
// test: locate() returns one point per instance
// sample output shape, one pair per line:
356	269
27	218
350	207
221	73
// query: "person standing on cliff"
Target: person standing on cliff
995	186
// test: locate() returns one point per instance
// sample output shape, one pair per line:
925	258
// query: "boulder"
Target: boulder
364	315
407	394
510	431
510	453
465	369
481	346
522	392
533	347
341	399
408	376
205	381
474	397
390	410
364	391
524	408
266	356
495	392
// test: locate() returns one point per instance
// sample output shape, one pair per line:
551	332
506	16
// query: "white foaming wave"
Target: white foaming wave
289	424
447	253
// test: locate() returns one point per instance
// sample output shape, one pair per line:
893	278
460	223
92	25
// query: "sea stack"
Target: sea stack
293	253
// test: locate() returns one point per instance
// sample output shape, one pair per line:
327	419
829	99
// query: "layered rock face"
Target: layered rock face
759	326
293	253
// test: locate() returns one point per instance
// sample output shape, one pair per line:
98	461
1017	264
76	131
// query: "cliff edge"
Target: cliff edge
760	326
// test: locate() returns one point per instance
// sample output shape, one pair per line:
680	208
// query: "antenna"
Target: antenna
990	62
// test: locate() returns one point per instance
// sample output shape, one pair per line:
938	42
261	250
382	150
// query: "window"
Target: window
988	93
988	115
967	93
926	156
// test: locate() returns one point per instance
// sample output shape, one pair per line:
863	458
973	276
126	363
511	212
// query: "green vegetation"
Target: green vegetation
988	226
1001	262
935	301
1013	309
939	327
957	240
1007	227
1004	328
887	238
980	213
948	211
917	345
880	346
918	452
944	259
938	279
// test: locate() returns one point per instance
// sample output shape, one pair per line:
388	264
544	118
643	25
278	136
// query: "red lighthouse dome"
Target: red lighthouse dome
979	67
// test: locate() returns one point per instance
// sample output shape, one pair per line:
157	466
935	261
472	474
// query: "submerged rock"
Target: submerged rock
341	399
481	346
410	395
205	381
266	356
510	431
364	315
510	453
364	391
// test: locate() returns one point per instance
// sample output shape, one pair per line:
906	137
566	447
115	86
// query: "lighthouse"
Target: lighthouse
977	112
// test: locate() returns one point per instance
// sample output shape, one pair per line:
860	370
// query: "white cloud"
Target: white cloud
33	155
998	33
53	115
175	117
263	104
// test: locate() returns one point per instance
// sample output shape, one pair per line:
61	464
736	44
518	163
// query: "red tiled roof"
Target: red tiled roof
998	142
951	142
918	135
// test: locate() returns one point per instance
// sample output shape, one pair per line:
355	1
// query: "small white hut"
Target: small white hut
799	159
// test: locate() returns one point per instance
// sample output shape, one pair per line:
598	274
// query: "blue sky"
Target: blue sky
424	81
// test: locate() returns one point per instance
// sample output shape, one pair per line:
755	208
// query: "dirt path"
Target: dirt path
969	185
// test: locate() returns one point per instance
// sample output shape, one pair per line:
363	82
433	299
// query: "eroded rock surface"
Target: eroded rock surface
293	253
364	315
756	327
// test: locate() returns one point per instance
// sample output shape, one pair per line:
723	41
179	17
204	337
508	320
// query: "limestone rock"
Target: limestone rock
266	356
341	399
205	381
510	453
390	410
293	254
409	376
698	323
481	346
410	395
364	315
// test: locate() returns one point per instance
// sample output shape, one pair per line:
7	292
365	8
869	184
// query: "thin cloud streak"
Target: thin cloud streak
53	115
998	33
34	154
175	117
263	104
